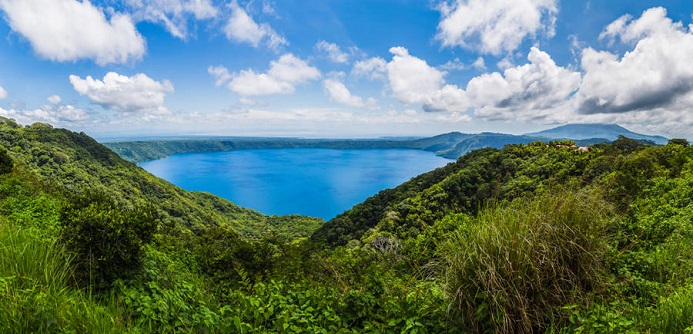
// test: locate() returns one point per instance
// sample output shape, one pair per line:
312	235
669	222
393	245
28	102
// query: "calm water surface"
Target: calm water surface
313	182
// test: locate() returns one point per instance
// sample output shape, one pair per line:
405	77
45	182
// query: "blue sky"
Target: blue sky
335	68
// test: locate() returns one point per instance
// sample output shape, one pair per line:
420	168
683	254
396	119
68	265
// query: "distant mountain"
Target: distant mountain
589	131
482	140
440	143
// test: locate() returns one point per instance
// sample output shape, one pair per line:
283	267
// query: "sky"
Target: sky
346	68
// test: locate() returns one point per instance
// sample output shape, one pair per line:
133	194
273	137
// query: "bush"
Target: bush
105	238
513	267
6	163
34	292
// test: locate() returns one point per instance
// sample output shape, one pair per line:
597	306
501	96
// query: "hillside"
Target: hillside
519	239
73	163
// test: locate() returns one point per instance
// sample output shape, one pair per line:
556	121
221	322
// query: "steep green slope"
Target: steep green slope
73	162
463	186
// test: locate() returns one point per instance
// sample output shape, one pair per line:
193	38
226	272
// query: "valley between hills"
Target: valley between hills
514	237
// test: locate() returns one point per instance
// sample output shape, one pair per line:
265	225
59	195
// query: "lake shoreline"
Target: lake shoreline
314	182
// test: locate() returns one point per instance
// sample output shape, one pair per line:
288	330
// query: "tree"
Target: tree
105	238
627	145
6	163
678	141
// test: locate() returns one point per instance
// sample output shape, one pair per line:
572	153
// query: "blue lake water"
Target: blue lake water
314	182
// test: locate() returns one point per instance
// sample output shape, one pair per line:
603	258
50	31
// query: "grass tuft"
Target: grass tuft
514	266
35	294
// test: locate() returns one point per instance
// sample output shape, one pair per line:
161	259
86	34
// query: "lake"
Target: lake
313	182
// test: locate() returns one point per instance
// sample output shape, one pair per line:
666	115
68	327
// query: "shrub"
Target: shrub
6	163
513	267
105	238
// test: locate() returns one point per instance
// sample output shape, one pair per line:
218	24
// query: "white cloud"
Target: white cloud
138	93
173	14
373	68
537	90
249	83
283	75
333	52
479	64
62	114
505	63
413	81
55	99
243	29
494	26
453	65
267	9
339	93
657	73
3	93
69	30
220	73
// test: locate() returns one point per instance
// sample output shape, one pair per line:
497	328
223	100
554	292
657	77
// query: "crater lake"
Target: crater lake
306	181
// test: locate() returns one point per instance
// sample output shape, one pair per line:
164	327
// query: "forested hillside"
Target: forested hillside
528	238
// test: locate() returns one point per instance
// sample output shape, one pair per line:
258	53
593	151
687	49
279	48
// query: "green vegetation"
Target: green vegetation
528	238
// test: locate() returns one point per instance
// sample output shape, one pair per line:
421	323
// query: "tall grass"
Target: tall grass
35	293
511	269
672	314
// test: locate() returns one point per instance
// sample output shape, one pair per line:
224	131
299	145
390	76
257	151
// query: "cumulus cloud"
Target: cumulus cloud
220	73
494	26
479	64
242	28
453	65
657	73
339	93
173	14
3	93
55	115
55	99
535	90
56	31
373	68
413	81
138	93
281	78
333	52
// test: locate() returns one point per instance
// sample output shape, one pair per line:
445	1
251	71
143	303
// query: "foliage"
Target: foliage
35	292
105	238
513	267
168	297
6	162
